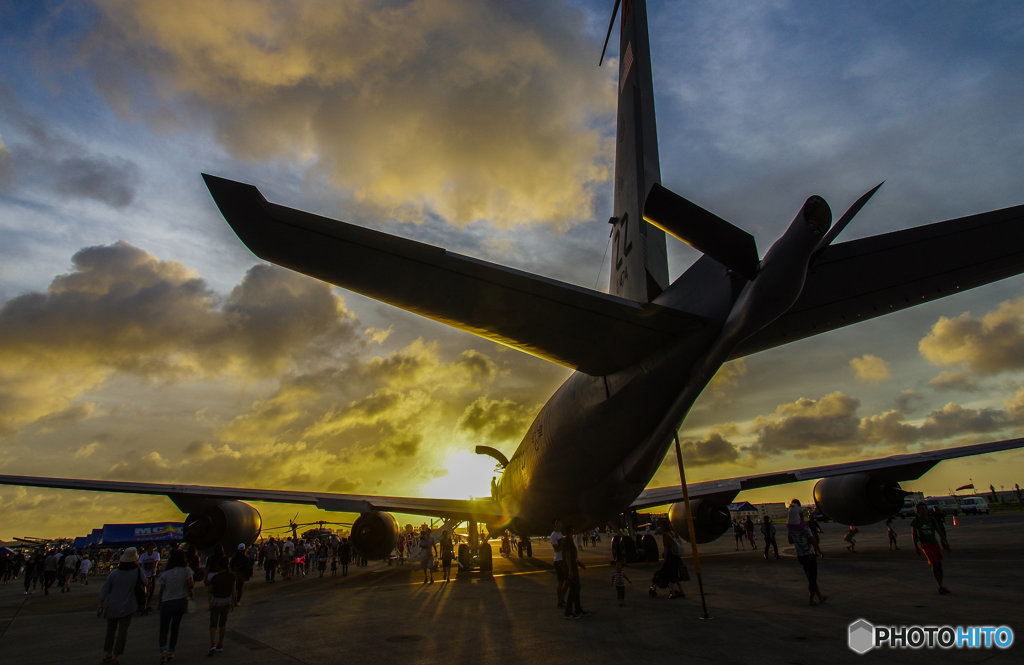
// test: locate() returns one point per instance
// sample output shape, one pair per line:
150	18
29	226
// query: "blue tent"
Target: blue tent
116	535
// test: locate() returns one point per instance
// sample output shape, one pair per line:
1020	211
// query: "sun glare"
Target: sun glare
469	475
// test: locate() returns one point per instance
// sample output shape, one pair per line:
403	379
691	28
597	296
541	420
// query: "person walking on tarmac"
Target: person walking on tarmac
927	536
768	531
241	567
561	573
570	555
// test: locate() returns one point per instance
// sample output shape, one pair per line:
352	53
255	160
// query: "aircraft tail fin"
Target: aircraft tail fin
639	269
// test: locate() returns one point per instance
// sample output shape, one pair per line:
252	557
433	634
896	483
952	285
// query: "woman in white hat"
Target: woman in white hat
119	601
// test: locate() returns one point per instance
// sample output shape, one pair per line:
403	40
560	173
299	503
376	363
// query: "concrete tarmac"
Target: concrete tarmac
382	615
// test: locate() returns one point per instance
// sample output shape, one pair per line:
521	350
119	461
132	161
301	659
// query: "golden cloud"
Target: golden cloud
497	421
870	368
807	424
465	109
713	449
121	310
988	345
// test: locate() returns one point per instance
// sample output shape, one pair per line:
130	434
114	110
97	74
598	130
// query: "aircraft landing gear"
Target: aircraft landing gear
475	557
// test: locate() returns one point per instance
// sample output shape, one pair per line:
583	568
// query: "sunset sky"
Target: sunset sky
140	340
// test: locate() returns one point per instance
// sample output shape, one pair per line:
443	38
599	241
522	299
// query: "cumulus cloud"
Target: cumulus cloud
909	401
727	378
947	380
870	368
952	420
497	125
712	449
364	419
122	310
808	424
987	345
497	421
889	427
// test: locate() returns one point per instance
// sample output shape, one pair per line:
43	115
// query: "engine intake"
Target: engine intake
375	534
710	519
227	523
858	498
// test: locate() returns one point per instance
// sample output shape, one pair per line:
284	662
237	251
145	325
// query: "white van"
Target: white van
974	505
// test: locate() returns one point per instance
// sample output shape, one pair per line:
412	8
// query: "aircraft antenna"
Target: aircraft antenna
615	10
600	268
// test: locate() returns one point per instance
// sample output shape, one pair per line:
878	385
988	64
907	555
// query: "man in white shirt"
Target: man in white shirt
560	568
70	568
83	569
149	561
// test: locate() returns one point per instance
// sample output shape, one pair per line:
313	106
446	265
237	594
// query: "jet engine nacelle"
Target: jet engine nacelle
858	498
710	519
227	523
375	534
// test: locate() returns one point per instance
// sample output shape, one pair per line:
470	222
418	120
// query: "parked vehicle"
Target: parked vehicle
909	508
947	504
974	505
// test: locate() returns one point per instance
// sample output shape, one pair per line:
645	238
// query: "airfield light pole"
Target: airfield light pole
693	533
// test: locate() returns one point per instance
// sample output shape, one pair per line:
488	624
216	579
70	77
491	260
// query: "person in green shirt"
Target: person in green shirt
927	537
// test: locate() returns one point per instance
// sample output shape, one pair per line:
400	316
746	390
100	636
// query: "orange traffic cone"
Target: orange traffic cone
955	521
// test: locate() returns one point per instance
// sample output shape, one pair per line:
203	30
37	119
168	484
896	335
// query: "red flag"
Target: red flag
968	486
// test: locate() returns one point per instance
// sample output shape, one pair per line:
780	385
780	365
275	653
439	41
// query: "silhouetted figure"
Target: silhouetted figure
803	542
927	538
851	539
768	531
118	602
561	572
570	555
816	530
891	531
619	579
671	572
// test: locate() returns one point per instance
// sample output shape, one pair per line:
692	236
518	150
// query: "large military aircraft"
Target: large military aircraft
642	353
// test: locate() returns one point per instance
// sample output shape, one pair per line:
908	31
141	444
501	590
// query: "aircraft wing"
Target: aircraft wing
560	322
895	468
861	279
189	497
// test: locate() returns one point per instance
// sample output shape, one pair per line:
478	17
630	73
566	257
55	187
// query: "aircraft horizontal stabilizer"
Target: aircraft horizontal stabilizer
583	329
861	279
704	231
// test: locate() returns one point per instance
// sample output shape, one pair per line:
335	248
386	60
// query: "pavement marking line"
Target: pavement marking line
14	616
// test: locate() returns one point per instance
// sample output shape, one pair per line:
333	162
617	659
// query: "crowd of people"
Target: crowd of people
170	581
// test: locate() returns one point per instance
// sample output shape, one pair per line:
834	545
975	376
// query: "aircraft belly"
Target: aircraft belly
596	443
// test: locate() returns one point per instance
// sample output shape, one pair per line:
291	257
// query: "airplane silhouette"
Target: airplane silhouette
642	352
